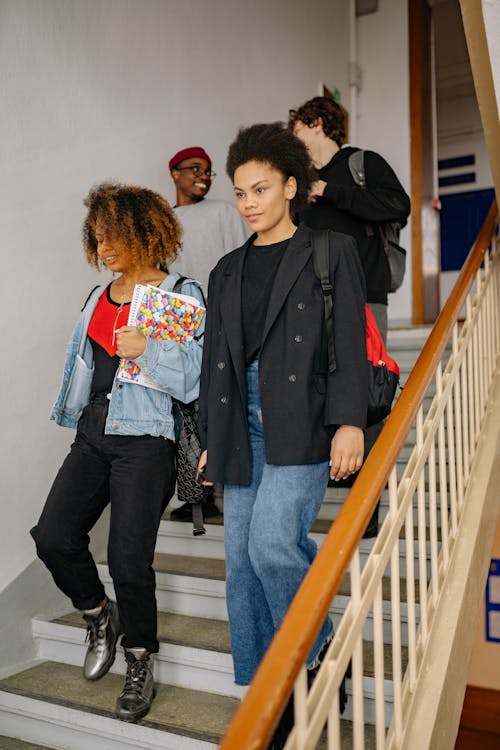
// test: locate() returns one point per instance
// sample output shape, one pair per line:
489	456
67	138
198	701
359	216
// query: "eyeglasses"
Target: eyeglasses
196	170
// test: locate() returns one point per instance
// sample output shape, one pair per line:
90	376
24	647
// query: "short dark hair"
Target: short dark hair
273	144
332	116
138	216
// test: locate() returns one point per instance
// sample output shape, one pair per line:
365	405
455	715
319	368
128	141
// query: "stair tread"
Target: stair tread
11	743
213	568
183	712
189	565
180	630
192	713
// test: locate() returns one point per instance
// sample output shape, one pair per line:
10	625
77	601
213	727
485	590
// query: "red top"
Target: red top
108	316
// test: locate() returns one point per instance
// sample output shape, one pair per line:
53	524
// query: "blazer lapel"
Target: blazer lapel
296	256
230	308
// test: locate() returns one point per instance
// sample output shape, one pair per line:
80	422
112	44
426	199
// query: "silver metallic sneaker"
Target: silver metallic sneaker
103	631
138	692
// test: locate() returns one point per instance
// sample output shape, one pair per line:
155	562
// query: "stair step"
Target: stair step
176	538
11	743
79	716
180	592
194	652
179	719
184	665
192	633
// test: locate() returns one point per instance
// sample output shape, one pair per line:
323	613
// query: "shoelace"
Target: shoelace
96	627
136	675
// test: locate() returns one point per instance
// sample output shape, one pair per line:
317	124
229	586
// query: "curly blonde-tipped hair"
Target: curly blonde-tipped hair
139	217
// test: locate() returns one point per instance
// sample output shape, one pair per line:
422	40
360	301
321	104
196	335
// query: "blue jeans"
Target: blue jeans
268	551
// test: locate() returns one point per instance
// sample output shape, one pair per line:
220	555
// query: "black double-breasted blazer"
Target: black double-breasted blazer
302	403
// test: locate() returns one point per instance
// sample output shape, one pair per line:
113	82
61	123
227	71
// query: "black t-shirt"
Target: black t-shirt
259	271
104	369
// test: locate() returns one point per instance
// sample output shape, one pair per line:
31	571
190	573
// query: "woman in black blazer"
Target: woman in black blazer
275	424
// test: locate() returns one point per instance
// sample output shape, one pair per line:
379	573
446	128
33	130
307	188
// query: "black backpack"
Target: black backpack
383	371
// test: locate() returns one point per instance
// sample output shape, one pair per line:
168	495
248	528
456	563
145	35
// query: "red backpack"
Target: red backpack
383	371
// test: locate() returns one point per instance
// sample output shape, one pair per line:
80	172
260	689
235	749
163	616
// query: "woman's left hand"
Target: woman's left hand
346	452
130	343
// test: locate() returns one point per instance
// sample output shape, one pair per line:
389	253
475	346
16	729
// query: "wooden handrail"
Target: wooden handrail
258	714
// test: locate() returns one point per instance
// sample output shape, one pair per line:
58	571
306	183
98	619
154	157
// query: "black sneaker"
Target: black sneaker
185	513
135	700
103	631
311	675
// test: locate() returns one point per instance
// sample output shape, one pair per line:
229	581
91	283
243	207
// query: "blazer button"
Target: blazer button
298	338
292	378
221	365
301	306
223	400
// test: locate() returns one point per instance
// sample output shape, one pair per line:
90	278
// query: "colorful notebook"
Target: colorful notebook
161	315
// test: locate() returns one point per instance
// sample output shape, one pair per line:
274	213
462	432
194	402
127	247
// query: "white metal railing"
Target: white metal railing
434	483
394	596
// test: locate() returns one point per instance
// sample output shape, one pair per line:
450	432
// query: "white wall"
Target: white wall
110	89
384	110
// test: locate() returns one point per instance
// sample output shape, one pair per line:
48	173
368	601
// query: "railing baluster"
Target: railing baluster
422	535
396	618
490	323
470	383
378	663
357	660
443	489
300	707
334	741
480	354
465	417
451	465
431	464
410	596
458	421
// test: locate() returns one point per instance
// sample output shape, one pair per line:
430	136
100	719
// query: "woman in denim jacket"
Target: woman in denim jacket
123	453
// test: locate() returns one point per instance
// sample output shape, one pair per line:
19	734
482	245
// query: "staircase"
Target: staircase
52	705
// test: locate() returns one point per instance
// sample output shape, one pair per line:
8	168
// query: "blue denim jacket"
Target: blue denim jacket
133	409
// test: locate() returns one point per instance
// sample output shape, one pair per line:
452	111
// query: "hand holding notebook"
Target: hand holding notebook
160	314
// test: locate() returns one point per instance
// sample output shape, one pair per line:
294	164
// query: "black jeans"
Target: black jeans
135	475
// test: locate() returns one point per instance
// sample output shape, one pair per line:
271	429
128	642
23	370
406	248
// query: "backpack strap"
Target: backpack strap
356	163
321	260
180	281
197	507
178	284
89	296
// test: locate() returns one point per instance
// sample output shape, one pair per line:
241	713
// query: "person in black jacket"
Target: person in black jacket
272	417
337	202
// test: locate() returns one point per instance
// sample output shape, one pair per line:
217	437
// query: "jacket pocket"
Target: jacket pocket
321	381
78	392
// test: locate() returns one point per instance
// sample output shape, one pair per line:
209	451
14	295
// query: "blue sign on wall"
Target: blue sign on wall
461	217
492	598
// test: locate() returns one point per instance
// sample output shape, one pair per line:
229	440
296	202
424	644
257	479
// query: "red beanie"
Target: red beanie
188	153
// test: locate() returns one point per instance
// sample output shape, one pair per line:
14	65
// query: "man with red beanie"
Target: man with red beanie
211	227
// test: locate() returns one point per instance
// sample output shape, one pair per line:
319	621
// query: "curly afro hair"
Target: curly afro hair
139	217
332	117
275	145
